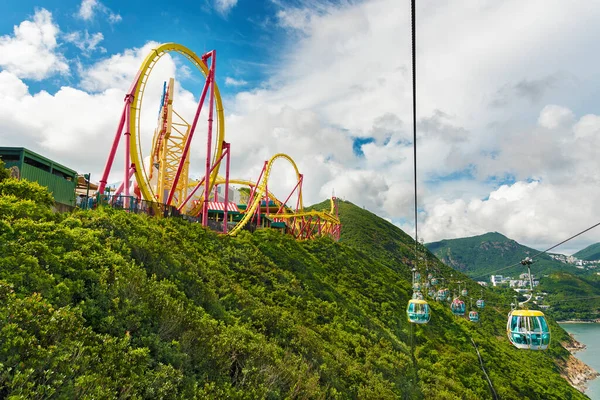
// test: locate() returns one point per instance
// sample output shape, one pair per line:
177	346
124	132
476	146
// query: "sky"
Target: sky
507	106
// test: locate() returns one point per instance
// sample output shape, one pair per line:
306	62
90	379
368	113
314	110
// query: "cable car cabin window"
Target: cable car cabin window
519	330
418	312
529	332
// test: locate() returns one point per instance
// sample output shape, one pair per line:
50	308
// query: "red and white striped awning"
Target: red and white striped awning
219	206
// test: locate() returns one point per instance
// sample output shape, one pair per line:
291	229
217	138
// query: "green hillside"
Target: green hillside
572	297
105	304
479	256
590	253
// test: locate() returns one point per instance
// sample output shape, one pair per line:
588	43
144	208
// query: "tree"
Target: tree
4	174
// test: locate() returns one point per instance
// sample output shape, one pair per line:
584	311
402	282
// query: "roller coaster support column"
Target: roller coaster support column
187	199
127	179
208	83
213	64
253	192
266	200
226	148
111	156
291	193
128	165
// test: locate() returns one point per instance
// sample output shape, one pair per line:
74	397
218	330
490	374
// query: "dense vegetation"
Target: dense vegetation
590	253
479	256
572	297
105	304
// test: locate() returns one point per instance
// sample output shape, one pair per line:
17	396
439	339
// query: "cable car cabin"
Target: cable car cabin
417	295
427	285
464	292
458	307
429	276
434	281
441	294
431	293
417	276
528	329
473	316
416	286
418	311
480	303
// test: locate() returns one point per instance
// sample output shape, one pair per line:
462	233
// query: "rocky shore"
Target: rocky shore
574	370
574	346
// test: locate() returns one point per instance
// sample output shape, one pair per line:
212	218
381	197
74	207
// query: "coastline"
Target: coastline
575	371
579	321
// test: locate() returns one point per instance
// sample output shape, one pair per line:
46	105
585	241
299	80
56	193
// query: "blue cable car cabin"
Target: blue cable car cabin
458	307
434	281
441	294
473	316
528	329
480	303
418	311
417	295
464	292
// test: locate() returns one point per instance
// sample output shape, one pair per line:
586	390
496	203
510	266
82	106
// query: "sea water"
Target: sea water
588	334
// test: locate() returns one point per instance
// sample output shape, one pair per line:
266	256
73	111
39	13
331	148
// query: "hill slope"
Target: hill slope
572	297
479	256
590	253
105	304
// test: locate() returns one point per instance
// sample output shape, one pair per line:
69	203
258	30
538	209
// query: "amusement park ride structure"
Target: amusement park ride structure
163	175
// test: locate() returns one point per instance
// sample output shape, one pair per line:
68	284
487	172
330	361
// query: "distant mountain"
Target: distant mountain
590	253
479	256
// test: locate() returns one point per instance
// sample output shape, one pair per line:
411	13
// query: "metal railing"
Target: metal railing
129	204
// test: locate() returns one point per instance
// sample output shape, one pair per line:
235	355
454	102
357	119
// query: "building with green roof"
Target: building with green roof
25	164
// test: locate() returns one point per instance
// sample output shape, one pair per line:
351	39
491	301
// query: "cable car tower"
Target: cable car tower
528	329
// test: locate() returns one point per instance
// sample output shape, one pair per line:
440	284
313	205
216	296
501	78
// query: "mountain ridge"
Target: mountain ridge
590	253
481	255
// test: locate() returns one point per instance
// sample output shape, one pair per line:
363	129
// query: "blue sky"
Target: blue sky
508	119
246	36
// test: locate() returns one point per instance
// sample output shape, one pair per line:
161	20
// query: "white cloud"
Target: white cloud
235	82
359	82
75	126
116	71
31	52
553	116
223	7
85	42
88	9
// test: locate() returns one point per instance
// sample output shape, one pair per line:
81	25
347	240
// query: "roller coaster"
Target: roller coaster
161	174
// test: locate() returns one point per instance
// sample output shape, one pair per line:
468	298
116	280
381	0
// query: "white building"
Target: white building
496	280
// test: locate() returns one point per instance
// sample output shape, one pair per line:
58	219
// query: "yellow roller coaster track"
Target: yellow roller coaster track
301	223
259	195
141	174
